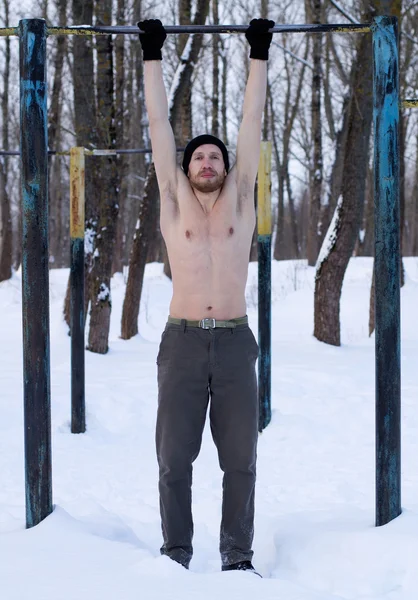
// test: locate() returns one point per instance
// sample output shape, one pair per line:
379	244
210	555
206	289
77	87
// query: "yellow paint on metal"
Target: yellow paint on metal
411	103
76	30
359	29
6	31
77	194
264	190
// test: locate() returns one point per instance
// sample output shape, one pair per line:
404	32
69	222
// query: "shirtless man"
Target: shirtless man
207	350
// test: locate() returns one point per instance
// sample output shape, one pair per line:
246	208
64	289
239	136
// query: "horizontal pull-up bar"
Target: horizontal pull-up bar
410	103
87	152
176	29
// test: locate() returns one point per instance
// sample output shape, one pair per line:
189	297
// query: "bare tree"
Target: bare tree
415	208
85	129
6	233
121	79
314	234
290	111
106	182
58	232
339	242
215	71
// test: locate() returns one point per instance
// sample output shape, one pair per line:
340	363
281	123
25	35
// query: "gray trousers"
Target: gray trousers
195	365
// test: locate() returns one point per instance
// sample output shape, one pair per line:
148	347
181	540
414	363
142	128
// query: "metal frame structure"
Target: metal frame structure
34	152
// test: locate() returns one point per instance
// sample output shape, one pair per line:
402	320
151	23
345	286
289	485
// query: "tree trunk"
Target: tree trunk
327	91
336	179
121	161
293	217
372	306
402	150
365	242
85	130
100	282
224	58
147	219
339	242
415	209
6	237
215	71
281	251
137	138
314	233
59	229
148	214
6	233
183	127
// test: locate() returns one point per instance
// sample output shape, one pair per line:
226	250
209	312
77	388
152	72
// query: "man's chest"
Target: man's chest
221	230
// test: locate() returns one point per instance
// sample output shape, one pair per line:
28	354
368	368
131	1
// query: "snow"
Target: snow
314	533
331	235
89	235
104	293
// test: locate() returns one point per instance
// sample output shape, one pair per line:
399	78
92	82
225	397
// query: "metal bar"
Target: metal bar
387	269
77	203
9	31
35	276
264	284
410	103
90	152
178	29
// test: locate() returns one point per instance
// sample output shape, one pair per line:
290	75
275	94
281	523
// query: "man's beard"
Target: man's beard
209	185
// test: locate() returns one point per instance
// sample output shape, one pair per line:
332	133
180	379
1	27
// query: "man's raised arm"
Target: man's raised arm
249	137
161	133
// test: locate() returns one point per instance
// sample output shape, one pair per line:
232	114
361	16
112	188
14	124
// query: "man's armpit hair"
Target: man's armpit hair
170	193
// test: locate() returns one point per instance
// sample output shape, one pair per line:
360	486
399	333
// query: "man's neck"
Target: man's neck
207	200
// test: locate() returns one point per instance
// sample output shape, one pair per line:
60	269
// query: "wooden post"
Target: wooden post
35	274
387	269
77	203
264	284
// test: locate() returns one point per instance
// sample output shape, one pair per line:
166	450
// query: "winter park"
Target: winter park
208	292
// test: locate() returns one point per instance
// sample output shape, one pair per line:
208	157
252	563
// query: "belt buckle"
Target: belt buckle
205	323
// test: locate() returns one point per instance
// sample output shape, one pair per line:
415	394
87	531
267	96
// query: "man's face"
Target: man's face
207	168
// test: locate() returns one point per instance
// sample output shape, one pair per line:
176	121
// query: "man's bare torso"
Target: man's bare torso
208	253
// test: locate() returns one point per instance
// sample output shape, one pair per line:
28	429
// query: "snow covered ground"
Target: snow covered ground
315	536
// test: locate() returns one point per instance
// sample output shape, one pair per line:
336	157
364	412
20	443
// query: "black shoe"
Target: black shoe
244	565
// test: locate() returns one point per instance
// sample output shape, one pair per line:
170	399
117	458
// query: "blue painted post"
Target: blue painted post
77	195
35	276
387	269
264	285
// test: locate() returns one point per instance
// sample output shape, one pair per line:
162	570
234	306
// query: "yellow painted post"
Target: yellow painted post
264	284
77	194
264	190
77	202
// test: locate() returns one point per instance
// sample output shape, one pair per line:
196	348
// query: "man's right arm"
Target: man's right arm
161	133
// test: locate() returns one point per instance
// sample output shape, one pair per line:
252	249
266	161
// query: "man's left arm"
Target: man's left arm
249	136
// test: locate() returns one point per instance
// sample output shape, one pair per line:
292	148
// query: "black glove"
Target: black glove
259	38
153	40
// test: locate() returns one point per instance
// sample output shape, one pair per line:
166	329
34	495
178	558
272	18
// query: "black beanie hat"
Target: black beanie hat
199	141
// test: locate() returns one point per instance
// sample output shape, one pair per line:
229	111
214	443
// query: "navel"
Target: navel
231	230
208	308
188	234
